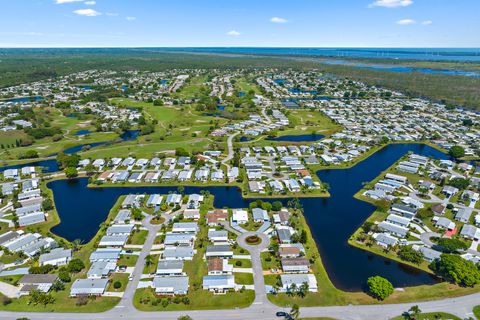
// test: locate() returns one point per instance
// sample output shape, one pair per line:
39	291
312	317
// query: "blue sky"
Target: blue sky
265	23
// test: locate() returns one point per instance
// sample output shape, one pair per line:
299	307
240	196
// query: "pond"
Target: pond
298	138
82	132
23	99
331	220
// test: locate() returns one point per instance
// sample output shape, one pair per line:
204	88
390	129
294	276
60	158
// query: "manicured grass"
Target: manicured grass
200	300
476	311
152	268
127	260
63	303
245	263
432	316
11	257
269	261
138	237
243	278
120	277
13	279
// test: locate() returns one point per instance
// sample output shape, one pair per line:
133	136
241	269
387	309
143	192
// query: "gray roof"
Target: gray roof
38	278
101	268
57	253
169	265
88	286
177	285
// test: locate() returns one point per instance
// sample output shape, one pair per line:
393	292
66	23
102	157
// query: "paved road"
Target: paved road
230	150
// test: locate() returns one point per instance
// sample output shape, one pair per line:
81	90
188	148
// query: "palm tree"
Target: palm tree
295	312
76	244
414	311
149	260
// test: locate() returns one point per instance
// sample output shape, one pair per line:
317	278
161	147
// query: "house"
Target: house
117	240
218	266
428	253
219	251
260	215
284	235
233	174
438	209
123	216
41	282
170	285
174	199
31	218
406	211
295	265
56	257
191	214
179	239
101	269
449	191
299	279
169	267
218	237
470	232
154	200
216	216
218	283
443	223
88	287
239	216
385	240
393	229
178	253
463	215
256	186
398	220
105	254
185	227
194	201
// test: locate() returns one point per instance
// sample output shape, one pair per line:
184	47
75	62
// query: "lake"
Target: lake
82	132
23	99
331	220
298	138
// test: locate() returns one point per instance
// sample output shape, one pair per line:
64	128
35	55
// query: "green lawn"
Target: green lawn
127	260
120	277
432	316
476	311
152	268
244	263
11	257
243	278
138	237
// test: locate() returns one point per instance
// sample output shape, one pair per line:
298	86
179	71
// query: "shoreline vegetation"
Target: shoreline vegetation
328	294
48	63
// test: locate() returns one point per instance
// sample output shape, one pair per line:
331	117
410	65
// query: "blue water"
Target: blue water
82	132
23	99
434	54
126	136
245	139
241	94
85	87
404	69
163	81
124	88
220	107
130	135
47	166
331	220
298	138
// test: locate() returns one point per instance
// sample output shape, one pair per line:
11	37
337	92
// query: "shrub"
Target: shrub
379	287
117	285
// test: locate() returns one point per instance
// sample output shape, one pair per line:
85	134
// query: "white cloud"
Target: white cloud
87	12
233	33
405	22
112	14
66	1
130	18
427	22
90	3
278	20
391	3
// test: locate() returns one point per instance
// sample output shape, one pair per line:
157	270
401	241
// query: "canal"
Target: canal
331	220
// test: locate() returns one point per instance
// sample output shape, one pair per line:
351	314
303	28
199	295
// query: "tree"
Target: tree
58	286
295	311
117	285
184	318
414	311
459	183
47	204
277	206
379	287
71	172
456	269
457	152
409	254
90	169
64	276
149	260
449	245
75	265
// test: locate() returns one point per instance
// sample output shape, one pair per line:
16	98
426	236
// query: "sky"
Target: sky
235	23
